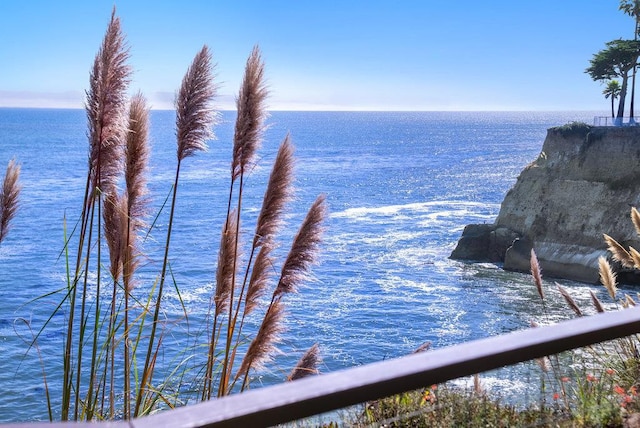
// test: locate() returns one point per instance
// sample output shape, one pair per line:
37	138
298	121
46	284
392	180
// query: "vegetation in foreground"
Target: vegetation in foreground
597	386
116	326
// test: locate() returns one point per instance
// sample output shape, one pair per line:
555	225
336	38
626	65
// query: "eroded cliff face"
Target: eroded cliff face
583	184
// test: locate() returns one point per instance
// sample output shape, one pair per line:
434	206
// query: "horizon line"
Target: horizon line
320	110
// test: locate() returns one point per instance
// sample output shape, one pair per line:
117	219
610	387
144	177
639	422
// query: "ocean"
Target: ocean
400	188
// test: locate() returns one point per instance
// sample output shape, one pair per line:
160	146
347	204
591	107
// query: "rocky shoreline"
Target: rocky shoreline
582	185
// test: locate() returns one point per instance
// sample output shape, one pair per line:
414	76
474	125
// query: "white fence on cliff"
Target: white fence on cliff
615	121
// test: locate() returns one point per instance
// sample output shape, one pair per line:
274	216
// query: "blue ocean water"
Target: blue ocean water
400	188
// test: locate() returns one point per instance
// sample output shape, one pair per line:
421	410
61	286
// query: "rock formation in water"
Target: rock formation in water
582	185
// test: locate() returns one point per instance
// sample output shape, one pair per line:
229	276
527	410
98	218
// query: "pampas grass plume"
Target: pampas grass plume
536	273
251	114
278	193
9	197
106	108
635	255
137	160
307	365
194	115
544	364
607	276
263	344
618	252
629	300
422	348
259	280
304	250
596	302
567	297
225	272
114	231
635	218
477	385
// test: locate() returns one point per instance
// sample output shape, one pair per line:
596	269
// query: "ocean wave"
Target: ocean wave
446	209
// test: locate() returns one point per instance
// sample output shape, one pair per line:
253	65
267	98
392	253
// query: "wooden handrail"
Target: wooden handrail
315	395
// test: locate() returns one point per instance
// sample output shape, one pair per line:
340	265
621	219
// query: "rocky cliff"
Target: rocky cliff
582	185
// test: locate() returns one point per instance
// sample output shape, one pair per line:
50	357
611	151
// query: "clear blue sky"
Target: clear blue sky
327	55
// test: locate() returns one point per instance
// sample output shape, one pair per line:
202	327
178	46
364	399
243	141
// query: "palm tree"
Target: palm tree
616	60
632	8
612	90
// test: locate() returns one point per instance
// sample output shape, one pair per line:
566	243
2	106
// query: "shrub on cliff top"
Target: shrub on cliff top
573	128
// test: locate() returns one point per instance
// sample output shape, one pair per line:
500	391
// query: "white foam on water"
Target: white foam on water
448	208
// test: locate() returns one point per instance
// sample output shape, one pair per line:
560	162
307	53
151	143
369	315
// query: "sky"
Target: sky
431	55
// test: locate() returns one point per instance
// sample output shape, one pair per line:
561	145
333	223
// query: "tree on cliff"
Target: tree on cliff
632	8
616	60
612	90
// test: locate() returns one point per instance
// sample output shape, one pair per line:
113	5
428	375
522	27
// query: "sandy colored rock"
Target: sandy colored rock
582	185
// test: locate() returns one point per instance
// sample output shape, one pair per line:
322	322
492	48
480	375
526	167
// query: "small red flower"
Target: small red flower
610	371
619	390
591	378
565	379
434	387
556	396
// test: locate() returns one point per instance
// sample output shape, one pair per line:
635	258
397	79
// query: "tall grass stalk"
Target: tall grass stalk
115	336
137	158
106	107
247	137
194	119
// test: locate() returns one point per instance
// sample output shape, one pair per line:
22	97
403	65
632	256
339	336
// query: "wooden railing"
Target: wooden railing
315	395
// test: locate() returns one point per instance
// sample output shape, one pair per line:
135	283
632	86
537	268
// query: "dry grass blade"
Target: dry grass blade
304	250
635	218
259	280
607	277
137	160
194	115
307	365
251	114
567	297
618	252
263	345
596	302
9	198
279	192
536	273
225	271
106	108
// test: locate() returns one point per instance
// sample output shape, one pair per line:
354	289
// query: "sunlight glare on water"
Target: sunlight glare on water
400	188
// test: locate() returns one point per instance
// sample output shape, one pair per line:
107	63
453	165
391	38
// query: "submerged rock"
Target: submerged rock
582	185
